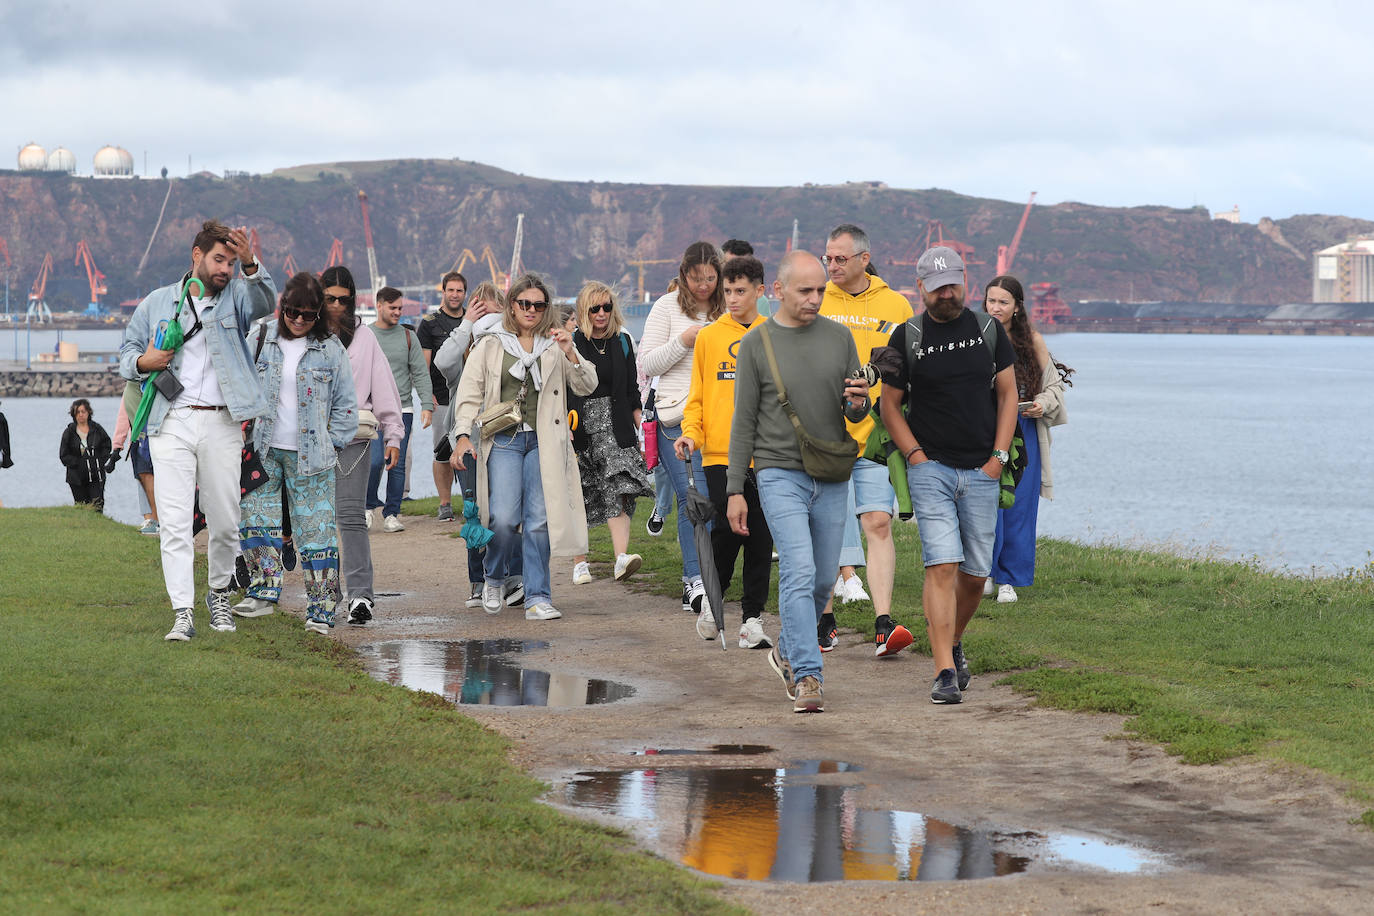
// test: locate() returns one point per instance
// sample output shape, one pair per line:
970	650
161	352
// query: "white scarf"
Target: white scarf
525	363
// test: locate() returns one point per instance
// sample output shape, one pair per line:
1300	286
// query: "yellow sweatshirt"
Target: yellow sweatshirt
710	406
871	317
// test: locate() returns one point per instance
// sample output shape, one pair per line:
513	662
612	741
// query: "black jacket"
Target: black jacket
624	385
90	467
5	461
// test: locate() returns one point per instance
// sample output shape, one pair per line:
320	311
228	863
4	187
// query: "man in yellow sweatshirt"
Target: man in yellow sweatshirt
872	310
706	419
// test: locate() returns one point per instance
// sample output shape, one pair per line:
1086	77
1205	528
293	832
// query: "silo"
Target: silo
33	158
61	160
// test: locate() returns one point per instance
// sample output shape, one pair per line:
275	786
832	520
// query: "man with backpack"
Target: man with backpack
407	360
956	376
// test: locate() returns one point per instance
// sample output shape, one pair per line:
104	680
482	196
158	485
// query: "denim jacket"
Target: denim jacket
327	407
225	321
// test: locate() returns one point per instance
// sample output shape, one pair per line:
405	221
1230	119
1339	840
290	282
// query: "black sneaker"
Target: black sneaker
961	665
655	523
288	556
361	612
686	597
826	632
889	638
242	577
946	688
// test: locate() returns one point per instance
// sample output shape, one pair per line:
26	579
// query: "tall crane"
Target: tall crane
935	234
38	306
1006	254
488	257
289	267
639	286
515	255
94	277
378	281
335	255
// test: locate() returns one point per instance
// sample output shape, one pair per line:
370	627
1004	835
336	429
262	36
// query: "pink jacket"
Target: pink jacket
375	385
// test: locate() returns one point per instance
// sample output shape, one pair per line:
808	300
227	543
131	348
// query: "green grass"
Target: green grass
1210	659
258	771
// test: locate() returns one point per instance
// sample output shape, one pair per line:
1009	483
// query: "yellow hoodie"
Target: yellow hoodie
871	317
710	406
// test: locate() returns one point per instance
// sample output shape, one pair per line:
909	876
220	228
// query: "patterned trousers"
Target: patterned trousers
312	526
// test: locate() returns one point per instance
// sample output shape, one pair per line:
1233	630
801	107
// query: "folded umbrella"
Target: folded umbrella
169	337
700	511
472	531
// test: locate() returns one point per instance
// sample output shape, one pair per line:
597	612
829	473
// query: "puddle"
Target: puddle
484	672
796	824
733	750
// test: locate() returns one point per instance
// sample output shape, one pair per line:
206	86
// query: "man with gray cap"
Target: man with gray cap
958	379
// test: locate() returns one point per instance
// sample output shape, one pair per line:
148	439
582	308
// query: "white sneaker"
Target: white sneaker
393	524
838	590
1005	594
317	626
491	599
853	590
706	624
542	611
367	519
254	607
751	635
582	574
626	564
988	588
183	628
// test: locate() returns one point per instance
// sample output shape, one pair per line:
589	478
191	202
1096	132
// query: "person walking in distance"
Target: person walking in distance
196	438
84	450
407	360
862	302
706	423
434	330
818	366
957	379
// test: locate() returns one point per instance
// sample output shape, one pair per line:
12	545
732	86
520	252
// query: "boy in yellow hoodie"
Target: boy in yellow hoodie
706	419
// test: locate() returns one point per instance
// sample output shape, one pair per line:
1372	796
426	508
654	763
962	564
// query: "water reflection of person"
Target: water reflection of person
84	450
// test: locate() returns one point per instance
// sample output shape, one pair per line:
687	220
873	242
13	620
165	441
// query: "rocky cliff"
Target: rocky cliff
424	212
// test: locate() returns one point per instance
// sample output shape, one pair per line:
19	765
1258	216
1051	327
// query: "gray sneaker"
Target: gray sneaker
961	670
808	697
446	513
945	690
183	628
475	595
783	670
221	613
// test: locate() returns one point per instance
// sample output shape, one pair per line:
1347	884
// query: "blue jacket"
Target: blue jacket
225	322
326	405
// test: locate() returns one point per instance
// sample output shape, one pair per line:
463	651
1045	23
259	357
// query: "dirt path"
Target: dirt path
1242	837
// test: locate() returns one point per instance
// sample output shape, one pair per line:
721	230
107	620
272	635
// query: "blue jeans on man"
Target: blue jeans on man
802	513
395	478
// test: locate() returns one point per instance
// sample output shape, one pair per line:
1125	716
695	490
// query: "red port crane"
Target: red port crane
289	266
94	277
38	306
335	255
376	279
1046	306
935	235
1006	254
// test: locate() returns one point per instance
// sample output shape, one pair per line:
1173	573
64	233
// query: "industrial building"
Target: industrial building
109	162
1344	273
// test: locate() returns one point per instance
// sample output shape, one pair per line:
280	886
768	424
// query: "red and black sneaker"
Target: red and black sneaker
826	632
890	638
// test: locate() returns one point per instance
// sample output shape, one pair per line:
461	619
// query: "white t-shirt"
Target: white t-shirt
197	370
284	434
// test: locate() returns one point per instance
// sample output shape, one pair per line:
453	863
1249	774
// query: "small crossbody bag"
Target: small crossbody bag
503	416
823	459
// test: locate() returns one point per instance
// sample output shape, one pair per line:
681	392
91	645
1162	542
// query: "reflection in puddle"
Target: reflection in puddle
789	824
732	750
480	672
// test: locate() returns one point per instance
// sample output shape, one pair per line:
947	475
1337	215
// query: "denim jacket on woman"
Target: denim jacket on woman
326	405
225	321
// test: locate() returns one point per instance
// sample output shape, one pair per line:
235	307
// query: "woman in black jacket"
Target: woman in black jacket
84	451
609	459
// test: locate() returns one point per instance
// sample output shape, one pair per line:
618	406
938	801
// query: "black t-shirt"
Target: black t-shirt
433	331
951	404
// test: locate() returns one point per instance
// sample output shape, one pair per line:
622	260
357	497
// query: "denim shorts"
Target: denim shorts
872	488
956	513
139	457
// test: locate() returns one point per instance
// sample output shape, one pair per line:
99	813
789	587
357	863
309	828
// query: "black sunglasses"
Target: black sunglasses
527	305
330	300
604	307
297	314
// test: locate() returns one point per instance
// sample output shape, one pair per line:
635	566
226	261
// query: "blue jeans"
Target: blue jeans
516	498
956	513
677	473
395	478
663	491
802	513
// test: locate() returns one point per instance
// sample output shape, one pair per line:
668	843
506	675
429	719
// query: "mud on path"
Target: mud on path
1246	836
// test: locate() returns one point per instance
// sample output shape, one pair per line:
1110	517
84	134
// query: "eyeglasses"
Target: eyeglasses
299	314
528	305
840	260
603	307
342	300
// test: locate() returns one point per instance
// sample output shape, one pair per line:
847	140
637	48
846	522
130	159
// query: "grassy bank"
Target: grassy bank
258	771
1210	659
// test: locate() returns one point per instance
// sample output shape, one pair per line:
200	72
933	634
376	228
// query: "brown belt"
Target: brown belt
207	407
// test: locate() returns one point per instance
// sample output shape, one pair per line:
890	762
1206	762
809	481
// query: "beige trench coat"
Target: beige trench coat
480	388
1051	398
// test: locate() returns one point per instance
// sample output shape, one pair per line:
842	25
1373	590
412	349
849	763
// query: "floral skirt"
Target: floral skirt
612	477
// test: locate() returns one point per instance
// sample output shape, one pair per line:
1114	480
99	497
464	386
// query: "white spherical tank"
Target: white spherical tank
61	160
113	161
33	158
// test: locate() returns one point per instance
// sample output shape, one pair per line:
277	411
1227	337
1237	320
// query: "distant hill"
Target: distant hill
424	212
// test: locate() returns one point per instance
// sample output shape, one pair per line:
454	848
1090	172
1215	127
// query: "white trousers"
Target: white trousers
196	447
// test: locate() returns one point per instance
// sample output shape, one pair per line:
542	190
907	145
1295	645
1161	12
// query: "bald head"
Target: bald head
792	260
800	287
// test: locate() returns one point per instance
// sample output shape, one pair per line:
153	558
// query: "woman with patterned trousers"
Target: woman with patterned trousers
305	375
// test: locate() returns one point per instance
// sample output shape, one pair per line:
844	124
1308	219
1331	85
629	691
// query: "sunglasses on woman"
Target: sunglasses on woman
529	305
293	314
603	307
342	300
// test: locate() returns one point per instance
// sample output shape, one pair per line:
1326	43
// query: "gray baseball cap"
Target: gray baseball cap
940	266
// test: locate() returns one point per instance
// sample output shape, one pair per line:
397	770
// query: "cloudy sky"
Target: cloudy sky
1256	103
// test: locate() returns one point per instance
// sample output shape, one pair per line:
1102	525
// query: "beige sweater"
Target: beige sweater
1051	398
662	354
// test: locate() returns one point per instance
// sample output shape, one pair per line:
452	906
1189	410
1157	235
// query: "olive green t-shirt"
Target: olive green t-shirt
510	387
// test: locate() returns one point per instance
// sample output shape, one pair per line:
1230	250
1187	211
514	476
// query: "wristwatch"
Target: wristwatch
1002	456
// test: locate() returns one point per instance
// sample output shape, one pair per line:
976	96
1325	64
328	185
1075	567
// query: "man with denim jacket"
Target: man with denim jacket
196	439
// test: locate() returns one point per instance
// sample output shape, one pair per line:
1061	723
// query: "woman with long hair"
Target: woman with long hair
611	465
304	375
84	449
670	332
528	490
1040	385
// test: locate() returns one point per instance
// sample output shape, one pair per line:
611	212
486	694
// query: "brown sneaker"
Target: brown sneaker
809	695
